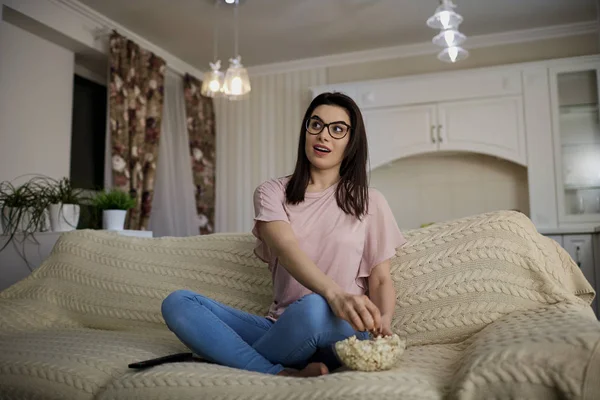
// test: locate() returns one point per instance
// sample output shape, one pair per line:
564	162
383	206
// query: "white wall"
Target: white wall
36	92
257	139
500	54
440	187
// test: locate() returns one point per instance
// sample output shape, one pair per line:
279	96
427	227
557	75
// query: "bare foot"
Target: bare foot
311	370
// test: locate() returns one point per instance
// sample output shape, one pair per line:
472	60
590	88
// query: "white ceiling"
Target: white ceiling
282	30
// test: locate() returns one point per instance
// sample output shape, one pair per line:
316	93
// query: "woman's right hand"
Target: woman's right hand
358	310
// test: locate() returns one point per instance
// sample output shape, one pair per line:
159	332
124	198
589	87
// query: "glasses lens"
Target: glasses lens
338	130
314	126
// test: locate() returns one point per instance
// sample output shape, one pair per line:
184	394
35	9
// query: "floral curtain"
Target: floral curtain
201	129
135	103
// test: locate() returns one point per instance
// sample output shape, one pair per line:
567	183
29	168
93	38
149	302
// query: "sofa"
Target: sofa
490	309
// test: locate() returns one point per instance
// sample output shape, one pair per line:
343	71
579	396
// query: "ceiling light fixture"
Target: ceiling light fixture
450	37
448	20
445	17
453	54
237	82
213	80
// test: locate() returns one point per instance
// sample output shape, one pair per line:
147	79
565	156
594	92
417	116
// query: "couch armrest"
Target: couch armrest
551	352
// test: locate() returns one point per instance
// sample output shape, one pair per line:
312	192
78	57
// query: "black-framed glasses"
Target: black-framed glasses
336	129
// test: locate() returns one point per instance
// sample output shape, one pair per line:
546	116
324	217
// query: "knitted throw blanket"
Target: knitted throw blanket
490	308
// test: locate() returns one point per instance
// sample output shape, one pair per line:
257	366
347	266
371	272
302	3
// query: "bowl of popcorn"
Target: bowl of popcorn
377	354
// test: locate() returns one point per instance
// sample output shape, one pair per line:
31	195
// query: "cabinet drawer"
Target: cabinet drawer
581	250
580	247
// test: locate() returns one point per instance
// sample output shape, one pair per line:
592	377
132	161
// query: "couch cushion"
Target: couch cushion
74	363
101	280
424	373
544	353
452	279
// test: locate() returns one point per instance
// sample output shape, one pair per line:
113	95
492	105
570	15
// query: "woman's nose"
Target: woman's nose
324	135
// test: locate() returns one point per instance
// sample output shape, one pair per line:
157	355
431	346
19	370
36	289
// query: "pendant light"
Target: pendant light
453	54
237	82
445	17
447	21
213	80
449	37
212	84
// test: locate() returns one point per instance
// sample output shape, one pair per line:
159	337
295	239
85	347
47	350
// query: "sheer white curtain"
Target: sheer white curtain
174	204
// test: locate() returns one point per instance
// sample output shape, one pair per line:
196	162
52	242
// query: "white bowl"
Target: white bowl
378	354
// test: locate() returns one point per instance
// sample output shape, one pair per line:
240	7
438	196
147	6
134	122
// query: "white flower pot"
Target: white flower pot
64	217
113	220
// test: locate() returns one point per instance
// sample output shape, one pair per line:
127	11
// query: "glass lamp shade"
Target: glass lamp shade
453	54
449	38
445	17
237	83
213	80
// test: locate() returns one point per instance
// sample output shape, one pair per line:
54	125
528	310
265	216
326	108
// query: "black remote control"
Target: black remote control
179	357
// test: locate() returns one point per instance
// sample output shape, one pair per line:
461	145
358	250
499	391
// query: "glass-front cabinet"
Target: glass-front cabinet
576	129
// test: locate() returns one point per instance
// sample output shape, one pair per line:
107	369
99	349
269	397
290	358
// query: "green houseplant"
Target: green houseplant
64	205
23	208
114	205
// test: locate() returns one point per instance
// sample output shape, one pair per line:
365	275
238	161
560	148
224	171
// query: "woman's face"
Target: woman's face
322	150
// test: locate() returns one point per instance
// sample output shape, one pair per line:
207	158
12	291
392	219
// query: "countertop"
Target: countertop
585	230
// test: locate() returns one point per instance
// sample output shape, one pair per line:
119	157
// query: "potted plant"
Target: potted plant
23	209
114	205
64	206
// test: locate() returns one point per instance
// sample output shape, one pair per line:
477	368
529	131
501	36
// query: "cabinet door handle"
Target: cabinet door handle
577	256
432	133
439	133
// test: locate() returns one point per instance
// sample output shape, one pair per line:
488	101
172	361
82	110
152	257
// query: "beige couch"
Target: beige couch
491	309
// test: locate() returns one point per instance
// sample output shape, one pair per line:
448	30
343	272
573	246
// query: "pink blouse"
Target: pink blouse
343	247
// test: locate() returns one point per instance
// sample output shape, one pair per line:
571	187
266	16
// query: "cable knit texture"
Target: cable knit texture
490	308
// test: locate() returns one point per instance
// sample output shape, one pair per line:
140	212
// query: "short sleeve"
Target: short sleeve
382	236
269	200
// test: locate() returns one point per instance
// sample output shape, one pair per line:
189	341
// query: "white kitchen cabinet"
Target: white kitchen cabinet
576	129
557	238
400	131
491	126
540	148
580	248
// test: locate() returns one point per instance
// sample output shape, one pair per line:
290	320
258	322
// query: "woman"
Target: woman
327	239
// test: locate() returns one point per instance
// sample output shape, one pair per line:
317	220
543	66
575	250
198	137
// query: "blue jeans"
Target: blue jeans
305	332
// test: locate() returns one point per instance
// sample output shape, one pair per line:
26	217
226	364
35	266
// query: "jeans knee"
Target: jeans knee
315	302
173	302
315	312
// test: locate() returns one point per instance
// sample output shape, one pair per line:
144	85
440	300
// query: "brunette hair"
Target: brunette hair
352	193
